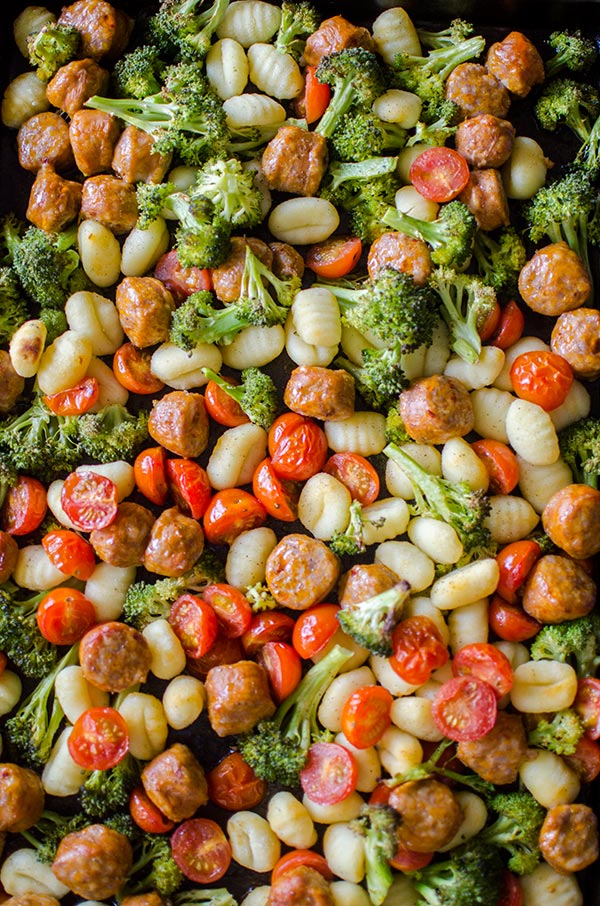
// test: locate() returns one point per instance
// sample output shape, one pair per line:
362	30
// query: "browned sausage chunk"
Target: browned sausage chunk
554	280
300	886
403	253
176	542
145	306
516	63
44	139
31	899
316	392
238	697
9	554
430	815
335	34
124	541
498	755
22	798
364	580
436	408
54	202
227	277
104	29
179	422
175	782
476	90
558	589
295	160
75	83
571	519
576	337
93	135
485	197
301	571
151	898
135	159
485	140
114	656
287	261
93	862
11	383
111	202
569	837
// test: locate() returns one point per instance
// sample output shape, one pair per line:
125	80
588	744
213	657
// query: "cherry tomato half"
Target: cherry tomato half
314	627
283	667
76	400
487	662
269	626
542	377
278	495
90	500
464	708
231	607
221	407
487	329
132	369
189	486
146	815
511	894
64	615
297	446
99	739
231	512
223	651
181	281
70	553
335	257
316	95
201	850
501	464
510	327
356	473
510	622
585	760
24	506
150	474
418	649
366	716
515	562
297	857
406	860
439	174
330	773
195	624
233	785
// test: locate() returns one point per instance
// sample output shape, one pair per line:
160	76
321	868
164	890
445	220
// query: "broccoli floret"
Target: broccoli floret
113	433
455	33
499	258
356	79
580	448
8	479
565	102
467	302
378	824
154	867
138	74
360	135
573	51
277	749
46	834
217	896
350	541
260	289
260	598
471	876
395	429
40	443
20	638
516	829
13	307
368	210
437	132
105	792
55	322
32	728
432	768
257	394
560	735
232	191
576	642
453	502
450	236
147	601
344	182
298	20
380	378
183	28
51	47
372	621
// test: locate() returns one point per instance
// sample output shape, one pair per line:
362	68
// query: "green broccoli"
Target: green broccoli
573	51
378	824
380	378
499	258
350	541
138	74
256	395
217	896
13	307
277	748
565	102
154	867
432	768
371	622
439	131
470	876
575	642
105	792
368	210
46	834
20	638
467	302
360	135
579	446
113	433
450	236
344	182
232	191
8	479
30	731
516	829
51	47
55	322
181	28
356	79
299	19
260	598
395	429
560	735
458	31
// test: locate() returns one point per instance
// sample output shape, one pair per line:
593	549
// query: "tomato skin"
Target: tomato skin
489	326
270	626
587	705
418	649
221	407
195	624
132	369
181	281
99	739
330	773
146	815
150	474
510	327
464	708
585	760
24	506
201	850
408	860
278	495
222	651
314	628
231	607
316	95
335	257
233	785
76	400
231	512
357	474
487	662
283	666
89	499
297	446
64	615
542	377
510	622
297	857
511	895
439	174
70	553
501	464
189	486
366	716
515	562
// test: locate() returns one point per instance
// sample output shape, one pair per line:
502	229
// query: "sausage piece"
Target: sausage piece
516	63
569	837
44	139
485	197
176	542
114	656
111	202
300	886
576	337
474	89
301	571
31	899
295	161
22	798
316	392
485	140
333	34
364	580
430	814
135	159
287	261
9	554
150	898
175	782
558	589
571	519
93	135
178	421
54	202
403	253
497	755
124	541
144	305
104	30
436	408
238	697
11	383
75	83
94	862
554	280
227	277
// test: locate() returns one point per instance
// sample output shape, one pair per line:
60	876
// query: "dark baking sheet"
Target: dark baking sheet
537	18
